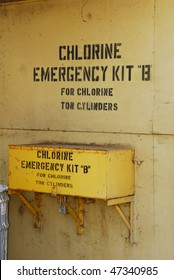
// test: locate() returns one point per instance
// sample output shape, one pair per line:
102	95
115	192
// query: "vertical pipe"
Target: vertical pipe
3	221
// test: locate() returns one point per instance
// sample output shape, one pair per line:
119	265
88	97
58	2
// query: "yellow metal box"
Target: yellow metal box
85	171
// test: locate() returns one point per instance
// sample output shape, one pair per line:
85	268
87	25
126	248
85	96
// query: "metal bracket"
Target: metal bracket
35	210
77	215
128	221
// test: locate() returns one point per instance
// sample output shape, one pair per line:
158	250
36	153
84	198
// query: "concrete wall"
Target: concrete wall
32	112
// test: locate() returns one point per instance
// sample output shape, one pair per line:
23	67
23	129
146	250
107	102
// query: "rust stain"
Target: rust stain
84	2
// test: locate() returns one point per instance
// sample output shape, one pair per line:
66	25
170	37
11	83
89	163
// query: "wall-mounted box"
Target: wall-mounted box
85	171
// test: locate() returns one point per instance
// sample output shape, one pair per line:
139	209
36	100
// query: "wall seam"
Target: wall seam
154	90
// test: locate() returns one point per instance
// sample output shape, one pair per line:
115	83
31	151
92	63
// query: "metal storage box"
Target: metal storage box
85	171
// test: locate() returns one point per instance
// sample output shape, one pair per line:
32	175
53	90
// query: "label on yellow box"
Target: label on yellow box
97	172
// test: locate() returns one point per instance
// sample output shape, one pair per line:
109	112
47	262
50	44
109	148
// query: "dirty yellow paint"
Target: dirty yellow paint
31	35
77	66
94	172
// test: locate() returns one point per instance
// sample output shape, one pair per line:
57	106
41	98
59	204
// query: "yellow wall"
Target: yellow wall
32	112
